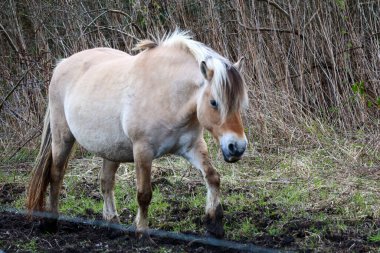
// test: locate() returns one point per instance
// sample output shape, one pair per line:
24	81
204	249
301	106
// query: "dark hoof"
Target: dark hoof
146	240
214	226
142	235
48	225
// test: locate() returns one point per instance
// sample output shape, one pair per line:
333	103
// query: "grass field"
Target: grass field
323	195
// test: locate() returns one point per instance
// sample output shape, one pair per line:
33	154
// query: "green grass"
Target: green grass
31	246
21	155
375	237
78	205
248	227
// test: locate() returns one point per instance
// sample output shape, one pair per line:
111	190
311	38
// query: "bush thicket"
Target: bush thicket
307	62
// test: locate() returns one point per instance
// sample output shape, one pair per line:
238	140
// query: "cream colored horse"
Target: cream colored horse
127	108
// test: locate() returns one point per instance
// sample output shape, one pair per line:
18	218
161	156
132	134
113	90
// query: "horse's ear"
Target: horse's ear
207	73
239	64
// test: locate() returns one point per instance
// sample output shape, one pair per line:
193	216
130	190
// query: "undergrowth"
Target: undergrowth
305	196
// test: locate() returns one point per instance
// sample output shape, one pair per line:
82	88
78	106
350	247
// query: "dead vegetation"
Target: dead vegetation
307	62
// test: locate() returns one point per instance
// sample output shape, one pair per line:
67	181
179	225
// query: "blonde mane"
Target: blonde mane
227	87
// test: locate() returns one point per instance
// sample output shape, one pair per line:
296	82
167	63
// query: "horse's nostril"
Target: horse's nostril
231	148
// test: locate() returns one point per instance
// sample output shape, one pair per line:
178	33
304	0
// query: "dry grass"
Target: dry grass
307	61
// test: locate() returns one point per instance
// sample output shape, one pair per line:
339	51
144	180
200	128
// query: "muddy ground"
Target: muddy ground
18	234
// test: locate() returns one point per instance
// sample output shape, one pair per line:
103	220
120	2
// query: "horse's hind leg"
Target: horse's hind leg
107	183
62	143
60	151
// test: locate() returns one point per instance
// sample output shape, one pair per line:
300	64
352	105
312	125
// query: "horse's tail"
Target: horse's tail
41	171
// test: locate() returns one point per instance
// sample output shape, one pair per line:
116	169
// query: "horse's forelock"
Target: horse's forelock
228	87
238	90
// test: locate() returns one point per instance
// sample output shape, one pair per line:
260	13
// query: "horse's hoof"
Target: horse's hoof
146	240
143	236
48	225
215	231
115	220
214	226
112	218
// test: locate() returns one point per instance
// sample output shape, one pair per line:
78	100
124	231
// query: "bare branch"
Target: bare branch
14	88
9	39
278	7
267	29
104	12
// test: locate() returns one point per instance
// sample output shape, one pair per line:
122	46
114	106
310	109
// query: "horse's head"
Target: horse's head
220	104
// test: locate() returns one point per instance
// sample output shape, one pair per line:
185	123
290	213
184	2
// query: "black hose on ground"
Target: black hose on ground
161	234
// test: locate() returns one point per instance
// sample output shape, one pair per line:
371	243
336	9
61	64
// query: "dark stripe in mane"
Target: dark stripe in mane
234	89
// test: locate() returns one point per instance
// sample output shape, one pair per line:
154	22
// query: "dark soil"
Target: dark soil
19	234
10	192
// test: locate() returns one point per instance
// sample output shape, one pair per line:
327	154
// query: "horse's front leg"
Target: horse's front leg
143	157
198	157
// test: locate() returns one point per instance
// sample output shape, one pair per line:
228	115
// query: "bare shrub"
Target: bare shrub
306	61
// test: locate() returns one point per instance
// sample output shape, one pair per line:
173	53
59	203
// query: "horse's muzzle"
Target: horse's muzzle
233	150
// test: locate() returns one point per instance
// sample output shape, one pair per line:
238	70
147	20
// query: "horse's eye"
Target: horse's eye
213	103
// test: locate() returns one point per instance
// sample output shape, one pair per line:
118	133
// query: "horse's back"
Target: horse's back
79	63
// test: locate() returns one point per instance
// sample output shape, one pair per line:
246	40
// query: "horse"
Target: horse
135	108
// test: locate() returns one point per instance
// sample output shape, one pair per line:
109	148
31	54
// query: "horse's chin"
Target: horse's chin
230	159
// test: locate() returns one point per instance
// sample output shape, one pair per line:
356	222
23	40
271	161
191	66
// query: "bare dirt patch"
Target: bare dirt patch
18	233
9	192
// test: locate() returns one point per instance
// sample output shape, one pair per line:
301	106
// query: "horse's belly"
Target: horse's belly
106	146
101	135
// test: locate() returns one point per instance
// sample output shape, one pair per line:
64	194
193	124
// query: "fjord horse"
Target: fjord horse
127	108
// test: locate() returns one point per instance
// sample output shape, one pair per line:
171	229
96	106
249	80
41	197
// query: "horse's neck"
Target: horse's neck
186	114
181	80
